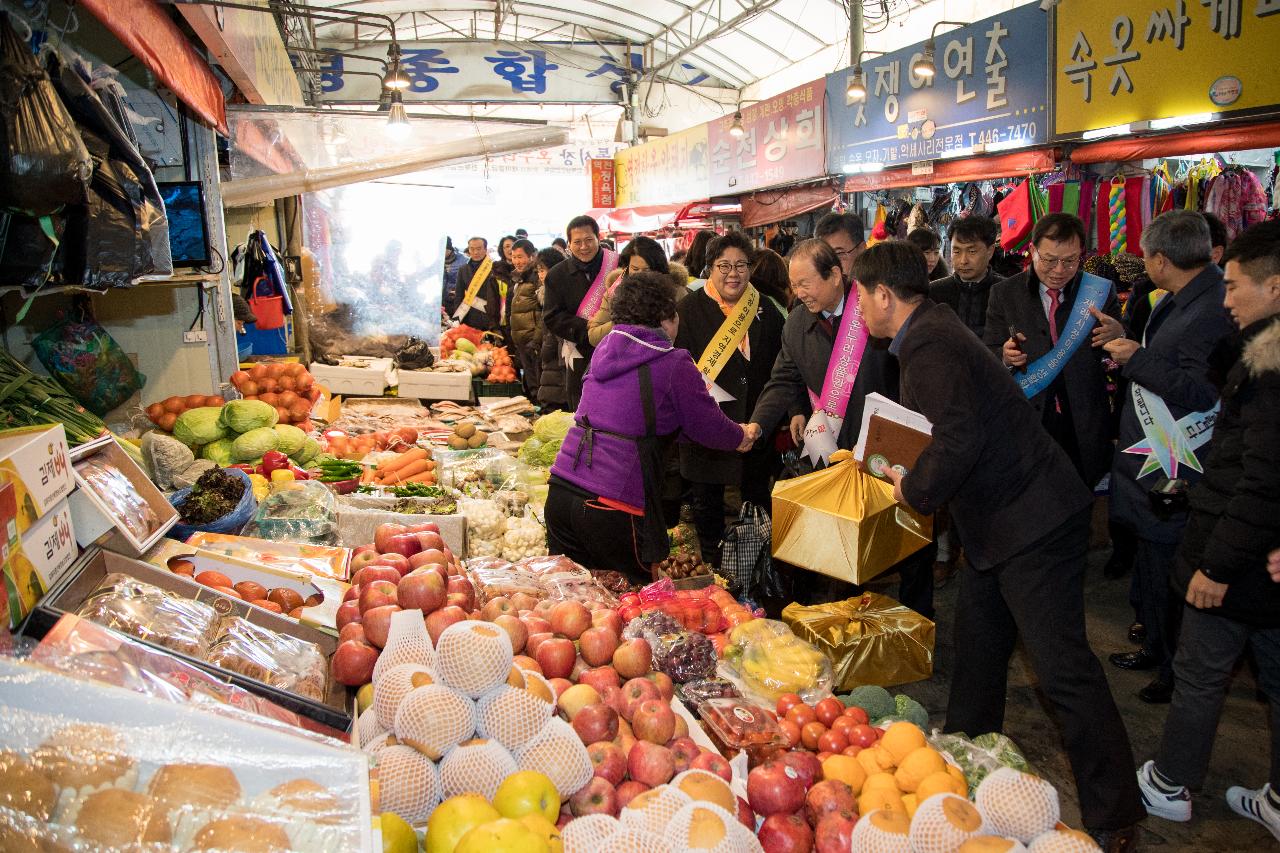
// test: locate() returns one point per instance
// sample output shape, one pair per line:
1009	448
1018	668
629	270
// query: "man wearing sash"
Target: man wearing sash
477	254
734	333
483	293
1023	514
1165	421
574	291
1053	307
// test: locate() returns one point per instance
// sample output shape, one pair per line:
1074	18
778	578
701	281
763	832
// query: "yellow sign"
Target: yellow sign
667	170
1117	63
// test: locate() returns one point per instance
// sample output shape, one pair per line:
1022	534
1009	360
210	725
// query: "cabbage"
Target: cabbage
256	442
309	451
199	426
291	439
220	451
244	415
553	427
529	450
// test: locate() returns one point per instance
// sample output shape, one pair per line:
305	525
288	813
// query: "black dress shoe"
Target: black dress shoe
1157	693
1137	633
1138	660
1116	840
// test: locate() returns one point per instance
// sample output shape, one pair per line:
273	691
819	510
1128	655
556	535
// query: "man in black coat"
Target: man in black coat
1037	304
1221	569
968	289
492	300
1024	516
567	284
744	374
1170	369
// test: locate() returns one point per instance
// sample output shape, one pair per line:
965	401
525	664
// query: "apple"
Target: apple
348	612
806	764
682	728
748	818
377	623
775	788
543	608
629	612
421	590
663	682
526	662
404	543
716	764
785	833
377	594
596	797
556	656
495	607
654	721
462	585
382	536
684	751
352	631
636	692
523	601
423	558
600	677
376	572
363	549
535	640
352	593
595	723
628	791
559	685
515	630
430	540
576	698
598	645
570	619
651	763
536	624
364	558
353	663
612	696
441	619
395	560
579	667
633	658
462	602
830	796
607	618
835	832
608	760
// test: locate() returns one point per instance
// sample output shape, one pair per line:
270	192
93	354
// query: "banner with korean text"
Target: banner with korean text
782	143
665	170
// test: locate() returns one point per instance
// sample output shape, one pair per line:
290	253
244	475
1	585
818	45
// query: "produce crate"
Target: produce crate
365	376
432	385
496	389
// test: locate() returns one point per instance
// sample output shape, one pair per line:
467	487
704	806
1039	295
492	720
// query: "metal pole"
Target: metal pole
856	35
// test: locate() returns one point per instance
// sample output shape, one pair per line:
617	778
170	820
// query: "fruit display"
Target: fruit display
284	600
684	565
465	436
501	368
770	661
342	445
165	412
450	339
289	388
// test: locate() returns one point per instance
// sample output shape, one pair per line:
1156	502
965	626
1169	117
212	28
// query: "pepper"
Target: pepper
299	474
274	460
248	469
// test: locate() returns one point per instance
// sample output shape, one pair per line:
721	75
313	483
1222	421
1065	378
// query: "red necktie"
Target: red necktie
1055	298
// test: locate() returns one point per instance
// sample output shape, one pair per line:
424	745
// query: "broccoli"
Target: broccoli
911	710
875	700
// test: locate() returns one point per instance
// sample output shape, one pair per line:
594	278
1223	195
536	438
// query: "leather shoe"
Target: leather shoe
1116	840
1137	633
1141	659
1157	693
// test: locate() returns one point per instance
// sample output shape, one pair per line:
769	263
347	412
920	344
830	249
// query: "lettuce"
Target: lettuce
199	426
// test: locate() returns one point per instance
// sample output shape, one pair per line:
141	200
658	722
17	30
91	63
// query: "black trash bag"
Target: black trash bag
43	161
416	355
26	252
122	231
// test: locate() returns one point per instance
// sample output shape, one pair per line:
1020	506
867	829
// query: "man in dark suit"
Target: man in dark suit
477	252
968	289
567	284
1024	516
1037	304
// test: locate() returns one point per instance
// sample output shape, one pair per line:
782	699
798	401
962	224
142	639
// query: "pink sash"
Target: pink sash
823	429
595	294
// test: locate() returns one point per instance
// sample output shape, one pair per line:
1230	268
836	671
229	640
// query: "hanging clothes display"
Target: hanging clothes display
1235	196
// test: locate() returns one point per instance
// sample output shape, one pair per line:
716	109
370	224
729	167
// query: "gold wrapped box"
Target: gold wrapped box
843	522
871	639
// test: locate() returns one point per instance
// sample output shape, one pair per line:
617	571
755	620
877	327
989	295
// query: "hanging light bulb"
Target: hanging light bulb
395	79
736	130
397	118
857	89
924	67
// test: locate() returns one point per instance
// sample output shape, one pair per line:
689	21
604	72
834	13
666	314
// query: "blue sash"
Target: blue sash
1040	374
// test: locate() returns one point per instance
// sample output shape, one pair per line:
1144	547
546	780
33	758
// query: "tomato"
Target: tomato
858	715
843	724
833	741
811	733
786	702
827	710
863	736
792	731
802	715
851	750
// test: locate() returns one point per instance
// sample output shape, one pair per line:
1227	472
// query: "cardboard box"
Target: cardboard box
38	562
360	515
325	561
370	376
35	473
430	385
97	522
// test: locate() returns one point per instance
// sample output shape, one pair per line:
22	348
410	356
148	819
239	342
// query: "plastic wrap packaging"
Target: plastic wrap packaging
94	766
283	662
116	491
493	578
486	526
322	560
683	655
740	724
304	512
523	536
546	565
577	586
149	613
981	756
768	660
870	639
702	689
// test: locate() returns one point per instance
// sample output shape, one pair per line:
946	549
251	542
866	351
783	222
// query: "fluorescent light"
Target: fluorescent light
1182	121
1103	132
855	168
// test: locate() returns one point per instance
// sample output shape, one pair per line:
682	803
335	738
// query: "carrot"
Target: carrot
400	474
366	476
427	477
403	460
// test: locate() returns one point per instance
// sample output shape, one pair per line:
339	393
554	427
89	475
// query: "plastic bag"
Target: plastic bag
746	560
305	512
128	605
45	164
273	658
416	355
980	756
88	362
768	661
231	523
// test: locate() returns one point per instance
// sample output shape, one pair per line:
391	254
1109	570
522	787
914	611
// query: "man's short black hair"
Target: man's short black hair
924	239
525	246
549	257
1060	228
847	223
481	239
1257	251
559	241
583	221
975	229
732	240
644	299
898	265
1217	231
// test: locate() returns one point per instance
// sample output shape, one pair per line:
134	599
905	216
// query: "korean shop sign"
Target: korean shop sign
1117	63
991	88
667	170
782	142
488	71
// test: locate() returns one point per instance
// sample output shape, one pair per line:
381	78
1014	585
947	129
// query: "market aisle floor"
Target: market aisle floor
1241	752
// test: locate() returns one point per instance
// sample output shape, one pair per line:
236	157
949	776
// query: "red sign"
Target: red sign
602	185
782	142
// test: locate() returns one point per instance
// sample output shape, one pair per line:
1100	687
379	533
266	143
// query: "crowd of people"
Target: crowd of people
1043	389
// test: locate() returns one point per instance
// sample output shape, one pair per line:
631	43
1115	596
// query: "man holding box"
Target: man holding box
1023	513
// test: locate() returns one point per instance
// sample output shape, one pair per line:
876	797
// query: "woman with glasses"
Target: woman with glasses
734	334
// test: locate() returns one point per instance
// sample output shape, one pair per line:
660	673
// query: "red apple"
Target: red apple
830	796
559	685
599	677
423	526
684	751
421	590
352	631
395	560
363	549
495	607
430	540
654	721
612	696
382	536
598	645
785	833
523	601
352	593
806	764
636	692
543	608
682	728
353	663
377	623
628	791
462	602
570	619
376	572
748	818
835	832
364	558
663	682
515	630
377	594
535	640
404	543
462	585
596	723
633	658
556	656
348	612
422	558
629	612
716	764
536	625
607	618
441	619
596	797
608	760
774	788
651	763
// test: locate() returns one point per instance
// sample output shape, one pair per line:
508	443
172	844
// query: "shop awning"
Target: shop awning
1239	138
634	220
768	206
957	171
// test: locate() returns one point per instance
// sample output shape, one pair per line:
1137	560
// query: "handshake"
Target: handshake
750	435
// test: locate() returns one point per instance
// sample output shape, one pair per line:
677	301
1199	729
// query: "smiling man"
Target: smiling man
575	289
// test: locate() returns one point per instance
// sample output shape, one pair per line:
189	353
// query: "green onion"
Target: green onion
28	399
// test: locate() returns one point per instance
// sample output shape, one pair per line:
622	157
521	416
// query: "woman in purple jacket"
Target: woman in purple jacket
603	507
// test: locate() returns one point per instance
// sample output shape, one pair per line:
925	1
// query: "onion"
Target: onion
258	372
175	405
167	420
270	398
250	389
155	411
269	384
288	398
239	378
287	383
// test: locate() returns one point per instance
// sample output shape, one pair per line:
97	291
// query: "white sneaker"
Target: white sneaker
1255	806
1175	806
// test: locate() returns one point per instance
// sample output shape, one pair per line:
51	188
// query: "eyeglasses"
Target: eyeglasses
1050	263
840	253
724	267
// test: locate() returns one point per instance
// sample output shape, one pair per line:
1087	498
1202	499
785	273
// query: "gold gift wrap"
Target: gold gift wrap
843	522
871	639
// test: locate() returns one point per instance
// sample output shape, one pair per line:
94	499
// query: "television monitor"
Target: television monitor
188	227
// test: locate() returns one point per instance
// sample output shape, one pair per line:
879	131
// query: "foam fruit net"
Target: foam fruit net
558	752
407	642
408	783
511	716
478	766
937	826
434	719
1018	805
389	692
474	657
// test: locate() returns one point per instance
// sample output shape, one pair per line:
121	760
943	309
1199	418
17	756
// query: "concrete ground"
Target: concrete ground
1241	753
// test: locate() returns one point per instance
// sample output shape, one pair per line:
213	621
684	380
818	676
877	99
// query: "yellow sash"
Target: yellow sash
729	335
482	272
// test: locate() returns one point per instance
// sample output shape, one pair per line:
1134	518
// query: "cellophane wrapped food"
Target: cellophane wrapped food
683	655
577	586
141	610
304	512
281	661
116	491
768	660
493	577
